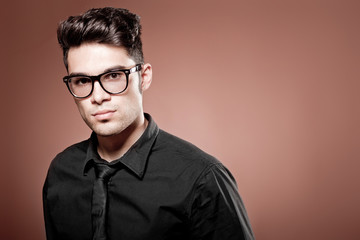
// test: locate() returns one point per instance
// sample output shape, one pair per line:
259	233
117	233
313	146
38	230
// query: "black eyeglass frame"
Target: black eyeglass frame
127	72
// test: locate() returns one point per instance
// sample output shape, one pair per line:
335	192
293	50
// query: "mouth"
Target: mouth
103	115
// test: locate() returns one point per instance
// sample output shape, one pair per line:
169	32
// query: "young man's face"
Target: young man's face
108	114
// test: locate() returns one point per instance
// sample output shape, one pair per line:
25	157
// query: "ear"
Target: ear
146	76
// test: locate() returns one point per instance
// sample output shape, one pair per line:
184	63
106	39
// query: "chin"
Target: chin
104	133
107	130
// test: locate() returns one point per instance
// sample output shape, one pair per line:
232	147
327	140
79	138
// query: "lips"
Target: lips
103	114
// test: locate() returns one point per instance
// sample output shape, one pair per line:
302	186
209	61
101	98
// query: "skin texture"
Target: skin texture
117	119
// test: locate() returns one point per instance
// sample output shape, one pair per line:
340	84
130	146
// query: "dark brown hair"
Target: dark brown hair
115	26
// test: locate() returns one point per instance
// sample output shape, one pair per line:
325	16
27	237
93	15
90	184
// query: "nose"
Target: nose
99	95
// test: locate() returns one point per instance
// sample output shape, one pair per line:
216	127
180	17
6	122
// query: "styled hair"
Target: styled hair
114	26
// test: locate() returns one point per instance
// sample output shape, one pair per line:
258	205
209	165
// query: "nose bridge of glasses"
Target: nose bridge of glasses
95	78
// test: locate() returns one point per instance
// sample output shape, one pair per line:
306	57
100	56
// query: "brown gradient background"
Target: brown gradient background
271	88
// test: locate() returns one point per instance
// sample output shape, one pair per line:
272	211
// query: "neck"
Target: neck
113	147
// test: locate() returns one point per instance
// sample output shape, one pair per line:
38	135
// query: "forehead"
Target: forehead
94	58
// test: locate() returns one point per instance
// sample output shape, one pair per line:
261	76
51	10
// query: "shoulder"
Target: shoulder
180	151
70	158
73	151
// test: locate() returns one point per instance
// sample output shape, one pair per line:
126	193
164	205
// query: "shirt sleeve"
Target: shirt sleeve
217	211
50	231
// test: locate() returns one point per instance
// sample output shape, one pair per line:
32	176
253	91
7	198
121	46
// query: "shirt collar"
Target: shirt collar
135	158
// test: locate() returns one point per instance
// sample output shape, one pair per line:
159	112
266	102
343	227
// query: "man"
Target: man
130	180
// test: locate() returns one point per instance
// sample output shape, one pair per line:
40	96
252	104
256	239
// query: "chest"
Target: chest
136	208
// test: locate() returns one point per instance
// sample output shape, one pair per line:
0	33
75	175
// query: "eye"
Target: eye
114	76
79	81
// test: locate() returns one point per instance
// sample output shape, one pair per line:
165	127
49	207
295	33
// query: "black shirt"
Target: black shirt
165	188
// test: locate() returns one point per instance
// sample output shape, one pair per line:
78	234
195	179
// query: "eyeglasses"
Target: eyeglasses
113	82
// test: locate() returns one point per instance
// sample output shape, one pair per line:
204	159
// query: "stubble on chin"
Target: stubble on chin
107	128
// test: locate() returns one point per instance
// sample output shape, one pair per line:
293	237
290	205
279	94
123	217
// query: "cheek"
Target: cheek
135	84
135	98
81	107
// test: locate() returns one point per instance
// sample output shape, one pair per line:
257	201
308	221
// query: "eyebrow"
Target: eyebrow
117	67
